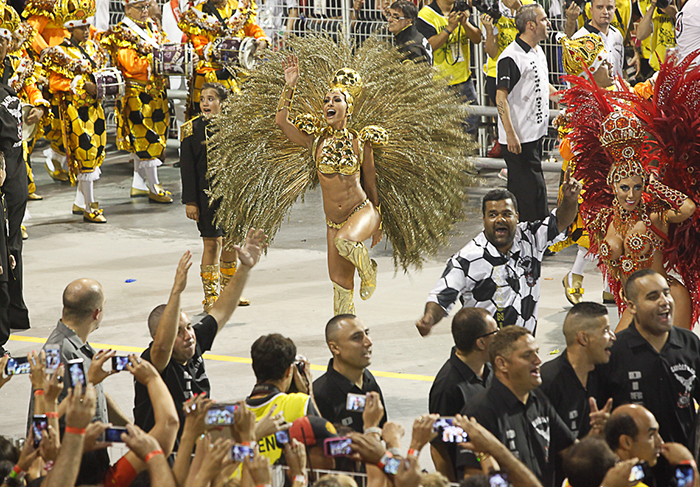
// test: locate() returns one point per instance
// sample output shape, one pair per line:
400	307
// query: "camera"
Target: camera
489	9
460	6
661	4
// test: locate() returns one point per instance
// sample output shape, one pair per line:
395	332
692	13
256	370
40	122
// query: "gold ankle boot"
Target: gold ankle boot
574	294
228	269
342	300
210	283
357	253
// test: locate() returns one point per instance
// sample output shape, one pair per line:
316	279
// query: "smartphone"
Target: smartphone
684	476
17	365
282	438
449	433
220	415
392	465
76	372
637	473
119	363
498	479
114	435
337	447
53	357
39	425
355	402
239	452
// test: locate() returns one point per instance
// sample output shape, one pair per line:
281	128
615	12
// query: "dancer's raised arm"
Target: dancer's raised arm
291	76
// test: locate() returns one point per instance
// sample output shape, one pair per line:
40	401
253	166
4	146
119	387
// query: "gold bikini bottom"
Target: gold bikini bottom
338	226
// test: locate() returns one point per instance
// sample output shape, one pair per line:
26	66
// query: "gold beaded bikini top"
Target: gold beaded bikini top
337	153
640	246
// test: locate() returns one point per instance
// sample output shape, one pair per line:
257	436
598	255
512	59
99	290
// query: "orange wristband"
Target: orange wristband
154	453
75	431
52	414
412	452
39	392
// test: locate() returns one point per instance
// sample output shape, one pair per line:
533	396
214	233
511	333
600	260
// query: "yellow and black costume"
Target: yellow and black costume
22	73
70	66
142	115
206	25
45	18
420	166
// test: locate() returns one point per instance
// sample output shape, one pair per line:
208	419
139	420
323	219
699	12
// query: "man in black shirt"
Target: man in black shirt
349	342
401	17
515	410
464	375
569	380
177	346
654	363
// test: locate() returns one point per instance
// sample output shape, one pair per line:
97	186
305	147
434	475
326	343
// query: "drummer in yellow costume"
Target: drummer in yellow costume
206	25
582	56
23	74
70	67
45	18
142	115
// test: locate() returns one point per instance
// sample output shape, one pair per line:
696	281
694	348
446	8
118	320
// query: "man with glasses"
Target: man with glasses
142	114
499	270
464	375
569	380
401	17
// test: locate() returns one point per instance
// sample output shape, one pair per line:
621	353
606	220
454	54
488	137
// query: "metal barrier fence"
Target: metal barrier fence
283	18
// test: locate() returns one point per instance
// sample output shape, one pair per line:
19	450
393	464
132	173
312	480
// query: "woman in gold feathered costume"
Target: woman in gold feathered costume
382	132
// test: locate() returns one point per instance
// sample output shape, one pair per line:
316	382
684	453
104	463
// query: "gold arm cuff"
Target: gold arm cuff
287	96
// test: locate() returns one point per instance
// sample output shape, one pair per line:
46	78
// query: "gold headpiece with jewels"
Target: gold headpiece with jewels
622	136
349	83
9	22
76	13
586	50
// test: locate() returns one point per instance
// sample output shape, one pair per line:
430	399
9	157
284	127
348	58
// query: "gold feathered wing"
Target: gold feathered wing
421	173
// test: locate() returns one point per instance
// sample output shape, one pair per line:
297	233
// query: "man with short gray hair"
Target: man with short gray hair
522	100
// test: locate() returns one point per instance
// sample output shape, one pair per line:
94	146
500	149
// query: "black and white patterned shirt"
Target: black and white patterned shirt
508	286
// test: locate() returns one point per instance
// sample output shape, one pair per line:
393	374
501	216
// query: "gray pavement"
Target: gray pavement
135	253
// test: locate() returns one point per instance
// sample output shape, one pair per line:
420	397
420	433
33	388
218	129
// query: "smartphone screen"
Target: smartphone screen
114	435
498	479
17	366
53	358
449	432
355	402
684	476
282	438
39	425
119	363
337	447
239	452
220	415
76	373
637	473
392	465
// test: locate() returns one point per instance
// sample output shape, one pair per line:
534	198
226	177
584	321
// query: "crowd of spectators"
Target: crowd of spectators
607	410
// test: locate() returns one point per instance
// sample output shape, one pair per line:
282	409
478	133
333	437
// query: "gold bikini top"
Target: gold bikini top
338	155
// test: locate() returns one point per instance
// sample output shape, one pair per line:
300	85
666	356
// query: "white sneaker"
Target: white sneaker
503	174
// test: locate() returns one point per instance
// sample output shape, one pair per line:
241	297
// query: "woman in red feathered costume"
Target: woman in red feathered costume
640	161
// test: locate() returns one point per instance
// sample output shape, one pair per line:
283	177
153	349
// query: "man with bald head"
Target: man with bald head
633	432
83	310
348	340
178	344
654	363
569	380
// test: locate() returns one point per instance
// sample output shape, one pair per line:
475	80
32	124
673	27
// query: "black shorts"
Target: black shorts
206	226
491	89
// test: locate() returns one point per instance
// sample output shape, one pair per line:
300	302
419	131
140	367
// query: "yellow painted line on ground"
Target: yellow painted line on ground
227	358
